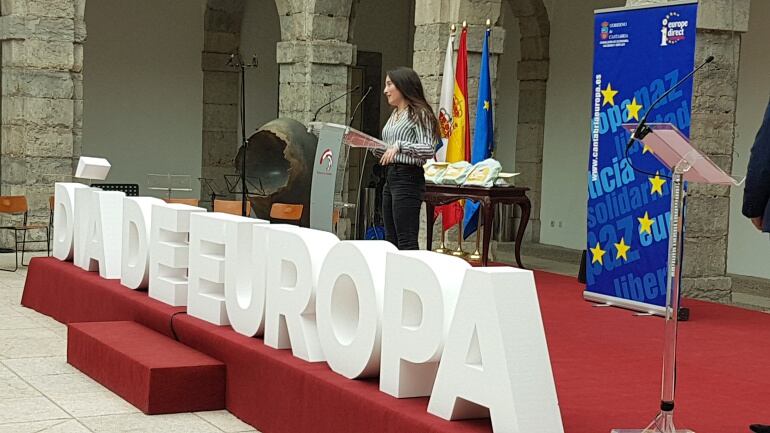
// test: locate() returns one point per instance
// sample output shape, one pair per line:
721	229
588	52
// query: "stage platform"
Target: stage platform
606	363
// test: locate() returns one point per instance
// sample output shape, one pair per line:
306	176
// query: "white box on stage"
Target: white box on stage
92	168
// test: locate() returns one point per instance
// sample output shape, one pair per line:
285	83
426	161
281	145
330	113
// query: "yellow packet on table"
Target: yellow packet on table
484	173
434	171
456	173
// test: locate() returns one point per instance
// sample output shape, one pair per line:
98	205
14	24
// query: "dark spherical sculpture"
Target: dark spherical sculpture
279	162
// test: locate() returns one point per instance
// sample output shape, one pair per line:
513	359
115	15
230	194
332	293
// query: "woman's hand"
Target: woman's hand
389	156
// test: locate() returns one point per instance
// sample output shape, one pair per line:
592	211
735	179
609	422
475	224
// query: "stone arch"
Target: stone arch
223	22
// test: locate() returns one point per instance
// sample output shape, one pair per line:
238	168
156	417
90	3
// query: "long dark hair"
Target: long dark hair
408	83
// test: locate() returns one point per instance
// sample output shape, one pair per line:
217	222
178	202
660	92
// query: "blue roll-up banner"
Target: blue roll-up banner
639	53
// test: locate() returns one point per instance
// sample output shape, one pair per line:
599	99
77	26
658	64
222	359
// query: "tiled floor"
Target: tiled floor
40	392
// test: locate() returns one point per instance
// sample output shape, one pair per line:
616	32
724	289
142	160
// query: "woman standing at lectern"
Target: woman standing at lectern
411	133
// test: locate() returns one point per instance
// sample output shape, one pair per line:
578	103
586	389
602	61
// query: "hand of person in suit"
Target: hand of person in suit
757	223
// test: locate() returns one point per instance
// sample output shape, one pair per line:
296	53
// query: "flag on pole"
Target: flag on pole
445	101
483	136
451	213
457	142
458	148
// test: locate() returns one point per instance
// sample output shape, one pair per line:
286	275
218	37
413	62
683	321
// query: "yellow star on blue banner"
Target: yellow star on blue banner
657	183
609	95
597	254
622	249
645	224
633	110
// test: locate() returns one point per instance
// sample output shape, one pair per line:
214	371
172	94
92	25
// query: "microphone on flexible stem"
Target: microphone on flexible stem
315	116
642	129
355	110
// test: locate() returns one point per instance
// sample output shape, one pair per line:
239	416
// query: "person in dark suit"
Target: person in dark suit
756	194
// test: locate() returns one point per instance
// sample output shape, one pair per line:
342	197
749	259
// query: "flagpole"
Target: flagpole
459	251
476	255
442	248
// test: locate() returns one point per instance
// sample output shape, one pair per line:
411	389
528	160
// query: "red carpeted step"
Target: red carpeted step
149	370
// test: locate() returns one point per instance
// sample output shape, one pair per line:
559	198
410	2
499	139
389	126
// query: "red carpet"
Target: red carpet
151	371
606	362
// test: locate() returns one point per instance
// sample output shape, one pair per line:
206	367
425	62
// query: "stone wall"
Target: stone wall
42	97
533	69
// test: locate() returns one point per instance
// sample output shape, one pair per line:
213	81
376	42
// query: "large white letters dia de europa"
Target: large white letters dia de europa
425	323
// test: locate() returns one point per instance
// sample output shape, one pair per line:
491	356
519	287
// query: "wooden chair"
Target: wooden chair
233	207
187	201
286	213
17	205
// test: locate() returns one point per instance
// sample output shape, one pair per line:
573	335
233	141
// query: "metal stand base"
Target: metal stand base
475	256
663	423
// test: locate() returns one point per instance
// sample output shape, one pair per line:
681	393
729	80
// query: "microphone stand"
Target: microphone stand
642	129
237	62
315	116
363	163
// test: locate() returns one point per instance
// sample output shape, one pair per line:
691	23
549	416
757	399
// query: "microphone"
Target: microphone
642	129
315	116
231	60
355	110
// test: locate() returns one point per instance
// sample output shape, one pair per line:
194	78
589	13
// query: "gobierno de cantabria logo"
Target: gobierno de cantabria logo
328	157
672	29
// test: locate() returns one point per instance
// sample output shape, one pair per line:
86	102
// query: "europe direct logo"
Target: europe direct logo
672	29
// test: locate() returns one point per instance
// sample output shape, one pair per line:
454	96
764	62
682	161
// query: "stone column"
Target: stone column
314	57
535	29
42	97
720	25
221	91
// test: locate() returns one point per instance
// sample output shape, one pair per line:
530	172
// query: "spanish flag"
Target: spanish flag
458	146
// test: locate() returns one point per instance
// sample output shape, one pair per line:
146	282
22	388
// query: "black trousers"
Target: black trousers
401	202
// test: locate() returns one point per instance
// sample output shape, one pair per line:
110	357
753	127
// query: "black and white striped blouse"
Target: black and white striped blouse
415	144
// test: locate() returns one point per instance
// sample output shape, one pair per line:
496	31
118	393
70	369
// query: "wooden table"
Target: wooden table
436	195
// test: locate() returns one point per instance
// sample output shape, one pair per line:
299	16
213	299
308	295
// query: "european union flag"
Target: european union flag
483	137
